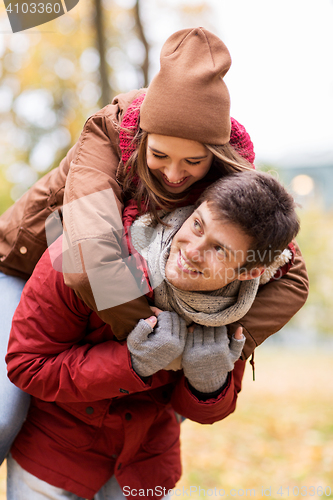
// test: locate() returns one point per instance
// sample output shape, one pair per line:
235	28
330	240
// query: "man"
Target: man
103	408
239	232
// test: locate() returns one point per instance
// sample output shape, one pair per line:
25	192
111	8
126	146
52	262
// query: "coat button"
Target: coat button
23	250
89	410
128	416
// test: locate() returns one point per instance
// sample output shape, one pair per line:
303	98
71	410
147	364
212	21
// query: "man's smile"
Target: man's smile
184	264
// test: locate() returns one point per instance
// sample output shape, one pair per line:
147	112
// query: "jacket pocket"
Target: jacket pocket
162	434
65	428
90	413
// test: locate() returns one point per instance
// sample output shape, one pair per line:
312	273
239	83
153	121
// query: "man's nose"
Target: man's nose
196	251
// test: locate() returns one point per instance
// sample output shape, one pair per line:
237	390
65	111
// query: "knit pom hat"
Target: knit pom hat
188	97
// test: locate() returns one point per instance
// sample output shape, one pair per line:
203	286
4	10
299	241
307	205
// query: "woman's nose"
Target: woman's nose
174	172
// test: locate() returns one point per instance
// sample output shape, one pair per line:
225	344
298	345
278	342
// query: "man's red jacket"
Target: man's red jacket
91	416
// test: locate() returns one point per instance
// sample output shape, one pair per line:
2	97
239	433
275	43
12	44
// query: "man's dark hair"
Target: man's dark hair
261	207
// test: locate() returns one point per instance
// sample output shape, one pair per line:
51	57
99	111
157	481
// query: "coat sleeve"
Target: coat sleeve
275	304
95	266
50	355
211	410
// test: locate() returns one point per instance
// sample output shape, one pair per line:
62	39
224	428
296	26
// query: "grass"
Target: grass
280	437
279	442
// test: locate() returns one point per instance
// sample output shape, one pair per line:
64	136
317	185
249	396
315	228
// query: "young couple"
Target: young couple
103	408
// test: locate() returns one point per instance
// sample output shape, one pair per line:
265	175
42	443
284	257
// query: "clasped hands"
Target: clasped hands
207	353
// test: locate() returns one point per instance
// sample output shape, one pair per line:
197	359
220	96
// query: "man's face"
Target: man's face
206	253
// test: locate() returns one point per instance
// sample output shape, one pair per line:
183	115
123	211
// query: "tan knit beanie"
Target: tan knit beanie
188	97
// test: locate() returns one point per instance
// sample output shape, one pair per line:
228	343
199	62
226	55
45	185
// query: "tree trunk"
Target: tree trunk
142	37
100	39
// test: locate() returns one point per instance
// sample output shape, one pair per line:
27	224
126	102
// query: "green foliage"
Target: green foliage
41	76
316	242
50	85
5	199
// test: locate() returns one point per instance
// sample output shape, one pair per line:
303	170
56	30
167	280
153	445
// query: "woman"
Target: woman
187	108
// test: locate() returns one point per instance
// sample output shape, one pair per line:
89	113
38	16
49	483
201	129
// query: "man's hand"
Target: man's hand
209	356
152	350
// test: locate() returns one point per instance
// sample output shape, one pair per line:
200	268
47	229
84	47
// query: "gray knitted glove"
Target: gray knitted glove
152	350
208	357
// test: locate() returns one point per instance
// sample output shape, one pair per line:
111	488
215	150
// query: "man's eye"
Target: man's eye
197	225
220	250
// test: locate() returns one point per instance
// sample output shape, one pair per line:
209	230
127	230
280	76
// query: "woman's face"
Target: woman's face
177	163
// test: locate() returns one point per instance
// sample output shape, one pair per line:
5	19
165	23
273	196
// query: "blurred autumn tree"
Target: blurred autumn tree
316	241
54	76
51	81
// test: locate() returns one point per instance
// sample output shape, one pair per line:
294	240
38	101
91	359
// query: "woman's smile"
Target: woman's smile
177	163
179	183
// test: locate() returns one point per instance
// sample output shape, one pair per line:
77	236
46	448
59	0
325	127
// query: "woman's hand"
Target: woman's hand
209	356
238	335
156	310
152	350
153	319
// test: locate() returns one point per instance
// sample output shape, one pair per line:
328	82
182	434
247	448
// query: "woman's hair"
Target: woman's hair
141	185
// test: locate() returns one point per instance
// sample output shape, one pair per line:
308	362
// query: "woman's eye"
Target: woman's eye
193	162
159	156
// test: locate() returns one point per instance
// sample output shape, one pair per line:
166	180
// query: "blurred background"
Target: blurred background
53	77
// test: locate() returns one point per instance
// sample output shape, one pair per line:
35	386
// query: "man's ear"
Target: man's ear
251	273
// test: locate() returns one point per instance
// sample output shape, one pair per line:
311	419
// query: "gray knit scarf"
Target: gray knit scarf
217	308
